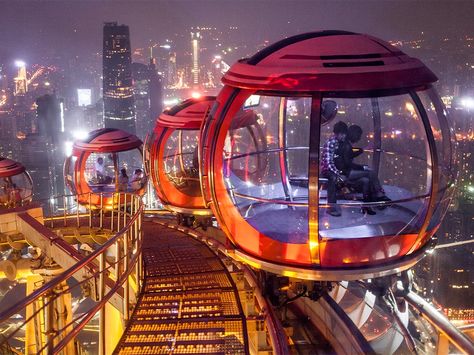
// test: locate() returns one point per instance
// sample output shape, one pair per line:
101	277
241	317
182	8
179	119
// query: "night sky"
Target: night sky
29	29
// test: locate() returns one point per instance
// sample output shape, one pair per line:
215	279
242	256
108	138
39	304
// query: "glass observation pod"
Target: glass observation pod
16	186
356	168
107	162
173	160
174	155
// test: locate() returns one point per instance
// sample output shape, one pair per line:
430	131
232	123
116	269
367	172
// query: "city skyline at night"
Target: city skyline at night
111	111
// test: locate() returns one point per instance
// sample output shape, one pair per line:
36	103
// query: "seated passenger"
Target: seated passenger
330	148
3	195
99	170
194	169
137	180
15	196
122	180
365	179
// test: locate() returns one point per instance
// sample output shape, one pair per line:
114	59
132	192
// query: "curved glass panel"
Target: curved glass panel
375	173
181	162
444	138
375	178
15	190
266	166
69	172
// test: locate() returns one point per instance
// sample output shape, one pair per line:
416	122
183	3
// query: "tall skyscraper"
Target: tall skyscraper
172	77
147	86
21	83
119	108
50	117
43	151
195	37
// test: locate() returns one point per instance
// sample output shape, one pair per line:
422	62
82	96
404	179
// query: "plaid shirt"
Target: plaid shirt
328	156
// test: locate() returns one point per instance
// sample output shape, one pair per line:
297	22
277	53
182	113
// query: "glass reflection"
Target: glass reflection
266	166
181	163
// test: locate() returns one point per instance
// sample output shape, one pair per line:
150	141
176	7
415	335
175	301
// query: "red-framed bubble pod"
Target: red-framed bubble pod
286	220
108	162
173	160
16	186
174	155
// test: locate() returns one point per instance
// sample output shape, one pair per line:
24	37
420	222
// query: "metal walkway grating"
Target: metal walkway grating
189	303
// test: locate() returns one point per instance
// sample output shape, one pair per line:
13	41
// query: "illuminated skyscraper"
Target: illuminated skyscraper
21	83
119	110
195	36
172	77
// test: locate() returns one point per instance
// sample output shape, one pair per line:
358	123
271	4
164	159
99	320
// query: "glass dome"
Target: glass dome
172	151
16	186
108	161
356	161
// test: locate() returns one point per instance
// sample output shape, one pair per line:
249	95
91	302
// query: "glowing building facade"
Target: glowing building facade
119	109
195	37
21	83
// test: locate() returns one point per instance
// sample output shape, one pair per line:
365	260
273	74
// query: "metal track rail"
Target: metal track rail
189	303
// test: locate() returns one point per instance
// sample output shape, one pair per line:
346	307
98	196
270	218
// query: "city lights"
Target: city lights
80	134
68	148
20	63
221	115
170	102
467	102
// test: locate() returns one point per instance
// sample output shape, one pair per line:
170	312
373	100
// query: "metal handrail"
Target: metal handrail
363	346
348	204
88	316
435	318
276	150
136	209
66	274
466	328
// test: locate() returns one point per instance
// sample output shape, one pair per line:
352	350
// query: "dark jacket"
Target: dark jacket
344	160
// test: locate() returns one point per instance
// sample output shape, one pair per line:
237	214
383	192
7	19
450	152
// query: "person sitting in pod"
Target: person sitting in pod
361	176
122	180
15	196
330	148
3	195
137	181
99	170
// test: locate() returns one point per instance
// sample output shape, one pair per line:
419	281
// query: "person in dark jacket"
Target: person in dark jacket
328	167
359	175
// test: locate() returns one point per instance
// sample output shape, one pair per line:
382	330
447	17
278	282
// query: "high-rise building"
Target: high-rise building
3	85
195	37
172	77
21	83
119	108
50	116
147	87
164	61
38	158
93	116
43	152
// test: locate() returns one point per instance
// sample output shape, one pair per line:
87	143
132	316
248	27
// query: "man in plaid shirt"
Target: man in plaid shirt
328	168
